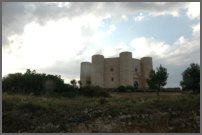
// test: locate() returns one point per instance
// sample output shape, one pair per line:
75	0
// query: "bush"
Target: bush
130	88
102	100
121	89
91	91
38	84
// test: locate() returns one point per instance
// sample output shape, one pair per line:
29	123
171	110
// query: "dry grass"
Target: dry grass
25	113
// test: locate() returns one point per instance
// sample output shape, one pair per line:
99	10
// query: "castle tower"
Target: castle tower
85	73
146	67
125	60
97	70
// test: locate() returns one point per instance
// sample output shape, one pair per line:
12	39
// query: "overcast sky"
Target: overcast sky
54	38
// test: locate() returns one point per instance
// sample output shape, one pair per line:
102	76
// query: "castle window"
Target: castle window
112	79
135	69
111	69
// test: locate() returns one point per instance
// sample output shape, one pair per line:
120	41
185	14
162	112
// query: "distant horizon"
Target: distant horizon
54	38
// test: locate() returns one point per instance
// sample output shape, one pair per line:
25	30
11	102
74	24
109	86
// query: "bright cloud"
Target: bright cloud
139	17
180	52
111	29
193	10
124	17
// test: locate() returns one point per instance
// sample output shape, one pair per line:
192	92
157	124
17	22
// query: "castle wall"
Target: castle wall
115	72
85	73
97	70
146	66
111	73
136	72
126	77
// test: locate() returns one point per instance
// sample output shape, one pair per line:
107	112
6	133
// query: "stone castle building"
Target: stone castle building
114	72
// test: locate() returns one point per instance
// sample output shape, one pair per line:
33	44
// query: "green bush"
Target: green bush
121	89
37	84
91	91
102	101
130	88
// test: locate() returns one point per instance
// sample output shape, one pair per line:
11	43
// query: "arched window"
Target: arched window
135	69
112	79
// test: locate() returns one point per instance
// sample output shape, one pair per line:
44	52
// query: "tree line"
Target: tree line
52	85
190	78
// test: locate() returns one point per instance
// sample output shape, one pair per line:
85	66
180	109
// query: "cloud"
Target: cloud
124	17
181	52
196	30
112	51
138	18
193	11
111	29
15	15
148	46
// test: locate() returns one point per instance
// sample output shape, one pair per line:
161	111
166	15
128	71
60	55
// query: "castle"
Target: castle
114	72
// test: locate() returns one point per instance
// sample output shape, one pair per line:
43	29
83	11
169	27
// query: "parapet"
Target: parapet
97	57
144	58
85	63
125	54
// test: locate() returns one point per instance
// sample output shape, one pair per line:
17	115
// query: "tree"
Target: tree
73	82
80	83
157	79
191	78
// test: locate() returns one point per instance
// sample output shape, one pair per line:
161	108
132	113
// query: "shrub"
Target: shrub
102	101
121	89
91	91
38	84
130	88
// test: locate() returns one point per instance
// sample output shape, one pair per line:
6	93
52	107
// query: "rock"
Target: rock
128	116
146	115
183	125
174	113
86	110
129	123
106	129
170	128
169	109
109	116
122	116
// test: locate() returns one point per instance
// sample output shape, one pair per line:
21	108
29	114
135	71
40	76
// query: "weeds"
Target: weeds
24	112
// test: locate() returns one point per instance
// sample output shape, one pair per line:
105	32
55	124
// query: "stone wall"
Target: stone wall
85	74
125	61
97	70
111	73
114	72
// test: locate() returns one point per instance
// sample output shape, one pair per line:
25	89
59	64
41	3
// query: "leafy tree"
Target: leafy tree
191	78
157	79
73	82
38	84
80	84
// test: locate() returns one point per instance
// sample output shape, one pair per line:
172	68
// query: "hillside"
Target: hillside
122	112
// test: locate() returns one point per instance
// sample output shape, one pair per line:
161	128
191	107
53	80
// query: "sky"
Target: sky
55	37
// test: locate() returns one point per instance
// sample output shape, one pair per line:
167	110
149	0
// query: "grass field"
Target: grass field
122	112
